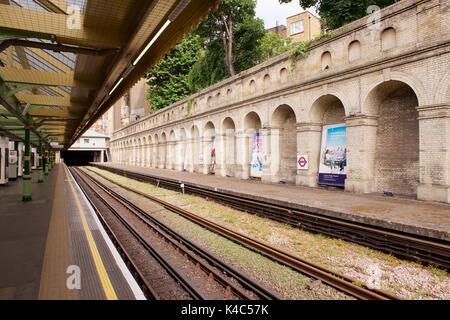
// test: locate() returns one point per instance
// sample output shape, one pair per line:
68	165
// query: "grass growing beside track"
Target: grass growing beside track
405	279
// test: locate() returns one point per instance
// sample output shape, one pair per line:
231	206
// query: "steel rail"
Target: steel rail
340	282
178	240
423	249
172	270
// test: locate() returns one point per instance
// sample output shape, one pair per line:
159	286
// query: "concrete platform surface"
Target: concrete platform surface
54	247
430	219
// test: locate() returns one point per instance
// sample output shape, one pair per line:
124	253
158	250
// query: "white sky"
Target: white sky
271	11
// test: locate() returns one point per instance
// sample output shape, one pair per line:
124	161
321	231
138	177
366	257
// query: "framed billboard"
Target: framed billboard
256	165
333	155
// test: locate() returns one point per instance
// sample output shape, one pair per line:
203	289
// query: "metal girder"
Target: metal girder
43	78
48	101
8	121
57	6
12	105
14	33
53	24
53	113
55	47
54	62
20	87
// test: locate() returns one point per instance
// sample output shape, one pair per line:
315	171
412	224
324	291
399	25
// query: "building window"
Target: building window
297	27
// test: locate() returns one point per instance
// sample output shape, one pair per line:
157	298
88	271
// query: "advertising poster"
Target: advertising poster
256	166
333	155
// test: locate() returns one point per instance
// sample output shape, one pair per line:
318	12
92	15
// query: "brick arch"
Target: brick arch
187	129
252	120
341	96
410	80
232	115
291	102
209	125
229	150
396	148
172	135
241	126
195	151
284	119
215	121
327	109
228	119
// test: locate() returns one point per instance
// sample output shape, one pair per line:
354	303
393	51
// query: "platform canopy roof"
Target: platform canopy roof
64	63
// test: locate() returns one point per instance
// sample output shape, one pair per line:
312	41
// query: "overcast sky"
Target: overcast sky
271	11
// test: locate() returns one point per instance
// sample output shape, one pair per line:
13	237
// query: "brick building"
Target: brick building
300	27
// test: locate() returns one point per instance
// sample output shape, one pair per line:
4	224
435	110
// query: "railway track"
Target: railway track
204	261
338	281
403	245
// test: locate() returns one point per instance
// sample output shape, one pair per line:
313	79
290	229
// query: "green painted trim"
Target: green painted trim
12	33
20	87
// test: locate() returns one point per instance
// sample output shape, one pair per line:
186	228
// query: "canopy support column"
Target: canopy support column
27	174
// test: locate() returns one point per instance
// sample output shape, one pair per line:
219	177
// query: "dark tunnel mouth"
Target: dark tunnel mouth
79	158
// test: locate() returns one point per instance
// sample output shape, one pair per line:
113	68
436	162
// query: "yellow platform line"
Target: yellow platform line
101	271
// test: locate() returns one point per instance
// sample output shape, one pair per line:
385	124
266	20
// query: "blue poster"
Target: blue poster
333	155
256	166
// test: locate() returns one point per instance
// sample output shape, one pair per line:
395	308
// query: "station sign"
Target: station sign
302	162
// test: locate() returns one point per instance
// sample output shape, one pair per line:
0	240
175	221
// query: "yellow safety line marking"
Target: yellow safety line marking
101	271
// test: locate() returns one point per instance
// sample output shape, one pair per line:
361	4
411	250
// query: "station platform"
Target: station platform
429	219
54	247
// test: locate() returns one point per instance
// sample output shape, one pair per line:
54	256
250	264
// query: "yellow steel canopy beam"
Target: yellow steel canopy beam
43	112
48	58
48	101
44	78
50	23
57	6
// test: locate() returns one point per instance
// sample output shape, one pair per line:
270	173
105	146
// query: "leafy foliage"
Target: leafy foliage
209	70
302	48
340	12
168	80
230	38
273	45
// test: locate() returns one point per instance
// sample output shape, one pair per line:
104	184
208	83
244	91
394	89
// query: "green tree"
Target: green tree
340	12
209	70
168	80
231	36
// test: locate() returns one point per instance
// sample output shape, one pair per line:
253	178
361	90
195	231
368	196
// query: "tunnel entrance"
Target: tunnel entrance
80	158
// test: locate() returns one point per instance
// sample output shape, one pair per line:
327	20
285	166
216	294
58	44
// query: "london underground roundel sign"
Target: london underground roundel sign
302	162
